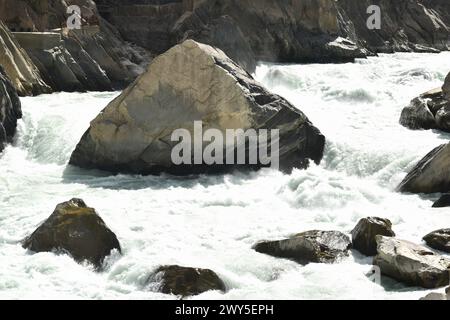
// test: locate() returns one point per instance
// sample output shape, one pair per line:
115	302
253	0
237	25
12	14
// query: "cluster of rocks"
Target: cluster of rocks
75	229
409	263
93	58
431	110
282	31
431	174
193	82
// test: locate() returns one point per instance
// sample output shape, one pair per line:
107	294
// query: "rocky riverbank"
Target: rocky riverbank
278	31
93	58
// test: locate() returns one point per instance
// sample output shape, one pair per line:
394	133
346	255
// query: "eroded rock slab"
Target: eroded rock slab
411	264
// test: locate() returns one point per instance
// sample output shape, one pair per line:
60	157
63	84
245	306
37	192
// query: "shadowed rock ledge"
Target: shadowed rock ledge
188	83
10	109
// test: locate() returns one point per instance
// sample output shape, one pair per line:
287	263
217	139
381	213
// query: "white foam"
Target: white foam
212	222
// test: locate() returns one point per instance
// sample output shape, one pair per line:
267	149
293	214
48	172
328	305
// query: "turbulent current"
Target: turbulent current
213	222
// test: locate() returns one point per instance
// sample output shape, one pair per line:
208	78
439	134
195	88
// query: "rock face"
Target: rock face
283	31
429	111
76	229
309	247
182	281
420	25
443	201
412	264
18	66
365	232
93	58
439	240
10	109
188	83
431	174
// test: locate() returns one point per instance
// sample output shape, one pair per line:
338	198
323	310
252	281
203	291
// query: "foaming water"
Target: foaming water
212	222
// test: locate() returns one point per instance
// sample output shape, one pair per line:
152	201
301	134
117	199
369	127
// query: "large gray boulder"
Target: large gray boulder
191	82
76	229
411	264
431	174
365	233
10	109
308	247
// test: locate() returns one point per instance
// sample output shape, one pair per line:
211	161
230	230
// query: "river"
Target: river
212	222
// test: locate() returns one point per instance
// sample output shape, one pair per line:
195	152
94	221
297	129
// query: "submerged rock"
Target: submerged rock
431	110
182	281
76	229
365	232
439	240
192	82
431	174
309	247
411	264
10	109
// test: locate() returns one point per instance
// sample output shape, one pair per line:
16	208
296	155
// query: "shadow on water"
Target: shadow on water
441	134
107	180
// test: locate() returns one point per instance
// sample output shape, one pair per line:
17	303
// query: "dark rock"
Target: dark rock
443	201
133	133
186	282
365	232
431	174
76	229
309	247
435	296
411	264
10	109
439	240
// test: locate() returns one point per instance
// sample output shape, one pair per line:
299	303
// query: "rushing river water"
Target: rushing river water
212	222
